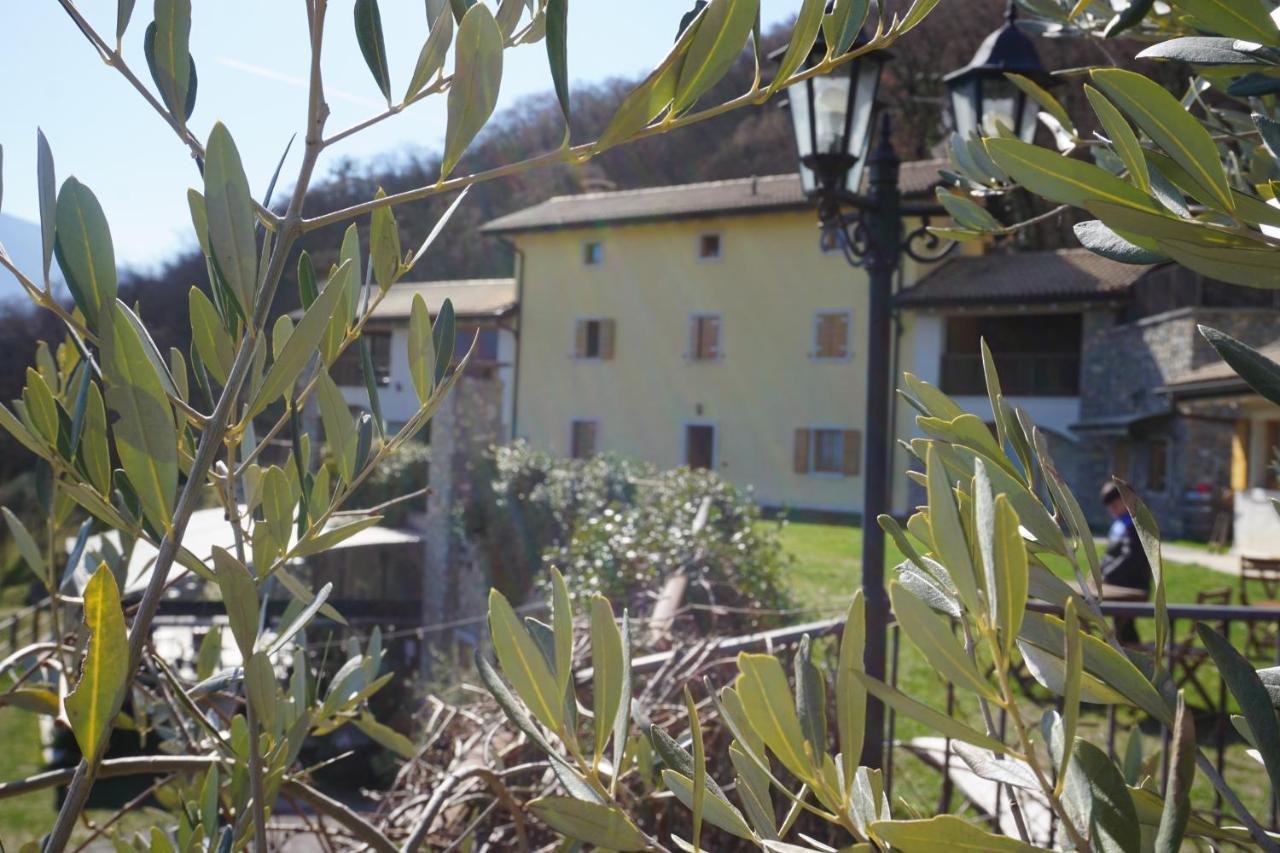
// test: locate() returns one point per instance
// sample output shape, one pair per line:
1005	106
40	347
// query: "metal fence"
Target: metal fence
1253	627
1256	630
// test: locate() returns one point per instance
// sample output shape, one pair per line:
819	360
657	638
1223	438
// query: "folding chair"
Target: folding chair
1185	654
1261	635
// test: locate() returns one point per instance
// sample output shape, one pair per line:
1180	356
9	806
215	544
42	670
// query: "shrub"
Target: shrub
620	528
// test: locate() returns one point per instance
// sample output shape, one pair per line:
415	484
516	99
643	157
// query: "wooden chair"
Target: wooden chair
1186	656
1264	571
1260	640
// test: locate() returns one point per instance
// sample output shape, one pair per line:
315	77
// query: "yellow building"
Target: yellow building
700	325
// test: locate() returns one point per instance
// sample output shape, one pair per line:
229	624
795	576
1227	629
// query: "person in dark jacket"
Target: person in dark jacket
1125	562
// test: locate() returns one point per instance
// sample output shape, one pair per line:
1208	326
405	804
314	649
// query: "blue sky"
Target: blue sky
252	60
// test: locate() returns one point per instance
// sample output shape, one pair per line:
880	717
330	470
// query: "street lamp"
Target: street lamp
833	117
983	98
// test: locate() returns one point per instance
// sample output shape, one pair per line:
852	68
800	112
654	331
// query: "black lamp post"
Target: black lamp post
833	116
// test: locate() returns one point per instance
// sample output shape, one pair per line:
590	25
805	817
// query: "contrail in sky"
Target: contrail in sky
297	82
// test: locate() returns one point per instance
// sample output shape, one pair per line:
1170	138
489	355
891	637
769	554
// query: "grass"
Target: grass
824	574
29	816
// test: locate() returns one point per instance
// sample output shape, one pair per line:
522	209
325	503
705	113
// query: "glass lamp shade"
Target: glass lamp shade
982	102
983	98
831	115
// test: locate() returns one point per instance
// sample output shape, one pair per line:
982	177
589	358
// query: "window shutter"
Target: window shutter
712	336
852	453
607	333
580	339
801	460
840	333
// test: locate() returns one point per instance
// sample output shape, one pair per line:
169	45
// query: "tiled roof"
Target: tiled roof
740	195
472	298
1065	275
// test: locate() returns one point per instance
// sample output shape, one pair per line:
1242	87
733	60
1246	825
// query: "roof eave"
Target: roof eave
1228	386
1062	299
496	229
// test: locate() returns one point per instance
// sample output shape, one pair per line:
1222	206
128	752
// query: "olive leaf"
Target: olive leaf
372	45
105	669
83	246
476	77
146	440
231	218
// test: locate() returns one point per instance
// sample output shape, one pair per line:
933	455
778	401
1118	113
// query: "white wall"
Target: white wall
399	403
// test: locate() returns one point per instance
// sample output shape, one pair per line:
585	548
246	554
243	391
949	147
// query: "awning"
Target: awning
208	528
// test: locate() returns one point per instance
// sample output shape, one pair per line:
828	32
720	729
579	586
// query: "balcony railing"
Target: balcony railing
1021	374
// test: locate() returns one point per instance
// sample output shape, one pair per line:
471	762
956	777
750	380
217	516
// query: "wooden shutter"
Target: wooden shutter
839	335
580	339
1240	456
711	337
801	458
607	334
852	466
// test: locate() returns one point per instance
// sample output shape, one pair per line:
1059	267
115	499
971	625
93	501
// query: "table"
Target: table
1111	592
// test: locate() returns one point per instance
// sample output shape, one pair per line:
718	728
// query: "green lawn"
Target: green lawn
827	560
29	816
826	570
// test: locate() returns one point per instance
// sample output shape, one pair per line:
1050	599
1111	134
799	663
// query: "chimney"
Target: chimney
593	179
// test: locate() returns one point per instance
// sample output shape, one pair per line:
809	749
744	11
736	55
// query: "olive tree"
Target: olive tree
133	440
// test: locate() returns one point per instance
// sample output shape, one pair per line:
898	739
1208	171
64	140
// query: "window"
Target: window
593	253
582	438
828	450
1120	454
700	446
704	337
594	338
1158	465
709	247
831	334
347	370
1036	355
485	339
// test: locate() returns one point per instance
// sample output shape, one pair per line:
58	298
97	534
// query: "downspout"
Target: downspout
515	385
895	356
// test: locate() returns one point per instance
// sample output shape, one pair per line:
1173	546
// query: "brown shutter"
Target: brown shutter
607	332
1240	456
852	453
712	336
580	339
801	459
840	346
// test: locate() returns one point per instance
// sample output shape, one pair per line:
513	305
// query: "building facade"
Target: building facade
704	325
485	310
698	325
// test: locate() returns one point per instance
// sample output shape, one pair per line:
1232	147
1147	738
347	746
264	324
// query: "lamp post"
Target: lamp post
833	116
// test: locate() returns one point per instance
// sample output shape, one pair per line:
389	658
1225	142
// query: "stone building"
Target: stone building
1105	358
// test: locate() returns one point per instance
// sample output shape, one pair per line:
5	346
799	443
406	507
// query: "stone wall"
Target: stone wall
467	423
1122	366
